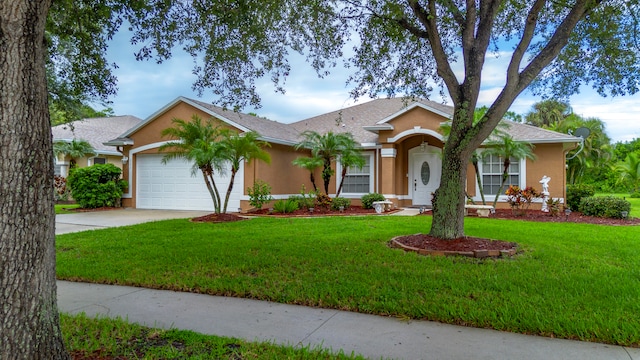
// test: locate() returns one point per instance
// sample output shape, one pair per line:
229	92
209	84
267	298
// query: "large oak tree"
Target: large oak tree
399	47
29	326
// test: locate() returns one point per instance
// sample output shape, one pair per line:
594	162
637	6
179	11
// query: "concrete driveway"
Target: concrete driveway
81	221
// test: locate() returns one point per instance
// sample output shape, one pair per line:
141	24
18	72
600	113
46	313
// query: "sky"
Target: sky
145	87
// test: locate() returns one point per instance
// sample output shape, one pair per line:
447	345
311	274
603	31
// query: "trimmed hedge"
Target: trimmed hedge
367	200
96	186
575	193
604	206
340	201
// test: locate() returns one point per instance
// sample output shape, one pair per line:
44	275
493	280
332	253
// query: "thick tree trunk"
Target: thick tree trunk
29	324
448	205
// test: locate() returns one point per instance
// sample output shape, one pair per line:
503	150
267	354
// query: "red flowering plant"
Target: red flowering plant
521	199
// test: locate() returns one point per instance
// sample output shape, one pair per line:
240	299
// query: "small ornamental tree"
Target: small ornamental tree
327	148
73	149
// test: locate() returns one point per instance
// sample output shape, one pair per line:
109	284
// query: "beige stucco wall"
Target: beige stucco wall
551	162
412	118
284	178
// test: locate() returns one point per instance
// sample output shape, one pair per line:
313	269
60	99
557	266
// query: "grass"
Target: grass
572	281
635	203
63	208
101	338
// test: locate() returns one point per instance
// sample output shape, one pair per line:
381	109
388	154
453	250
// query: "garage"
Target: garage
171	186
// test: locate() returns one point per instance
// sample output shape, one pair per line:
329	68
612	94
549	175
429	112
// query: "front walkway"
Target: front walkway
369	335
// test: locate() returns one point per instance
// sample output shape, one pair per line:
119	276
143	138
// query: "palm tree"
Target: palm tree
74	149
507	148
595	153
311	164
199	143
349	158
326	147
548	112
237	148
629	171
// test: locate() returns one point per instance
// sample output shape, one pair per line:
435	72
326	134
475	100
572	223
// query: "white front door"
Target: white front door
426	168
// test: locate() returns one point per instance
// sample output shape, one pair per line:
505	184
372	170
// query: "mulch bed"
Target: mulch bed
352	210
574	217
466	246
478	247
218	218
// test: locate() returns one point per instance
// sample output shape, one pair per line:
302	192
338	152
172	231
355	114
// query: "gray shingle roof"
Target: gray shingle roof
268	129
96	131
354	118
533	134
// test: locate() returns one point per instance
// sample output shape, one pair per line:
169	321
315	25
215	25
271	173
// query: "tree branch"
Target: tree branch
428	20
475	44
523	45
516	84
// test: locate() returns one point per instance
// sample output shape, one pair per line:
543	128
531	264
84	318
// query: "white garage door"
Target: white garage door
172	186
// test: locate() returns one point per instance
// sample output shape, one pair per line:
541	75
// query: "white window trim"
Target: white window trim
92	161
371	175
501	198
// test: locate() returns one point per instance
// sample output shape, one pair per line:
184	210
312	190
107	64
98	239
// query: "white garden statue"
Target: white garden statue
545	192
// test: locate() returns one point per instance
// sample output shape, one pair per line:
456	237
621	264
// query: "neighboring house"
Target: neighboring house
400	141
96	131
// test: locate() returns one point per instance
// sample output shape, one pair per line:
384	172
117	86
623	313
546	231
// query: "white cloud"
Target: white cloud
145	87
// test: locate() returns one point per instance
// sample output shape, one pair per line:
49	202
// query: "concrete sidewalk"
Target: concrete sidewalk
372	336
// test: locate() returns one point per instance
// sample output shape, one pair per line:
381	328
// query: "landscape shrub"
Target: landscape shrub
521	199
604	206
575	193
635	195
340	201
259	194
323	201
285	206
305	200
368	200
96	186
61	191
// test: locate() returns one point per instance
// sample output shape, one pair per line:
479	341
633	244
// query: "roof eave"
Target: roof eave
118	142
277	141
545	141
107	152
376	128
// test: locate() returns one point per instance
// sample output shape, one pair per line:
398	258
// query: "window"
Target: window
57	169
358	181
99	161
492	174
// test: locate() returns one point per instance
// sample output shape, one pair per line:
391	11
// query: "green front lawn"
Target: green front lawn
571	280
100	338
63	208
